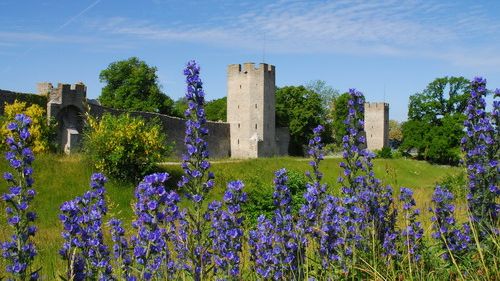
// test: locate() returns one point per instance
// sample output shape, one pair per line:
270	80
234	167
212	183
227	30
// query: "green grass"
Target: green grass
59	178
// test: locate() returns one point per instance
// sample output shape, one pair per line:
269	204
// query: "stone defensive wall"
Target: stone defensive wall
218	132
8	97
218	138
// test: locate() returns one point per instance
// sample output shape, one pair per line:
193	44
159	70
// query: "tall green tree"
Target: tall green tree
300	110
338	115
443	96
327	93
133	85
435	120
216	110
179	107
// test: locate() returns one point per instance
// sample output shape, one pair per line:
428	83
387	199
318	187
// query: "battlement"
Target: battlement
64	92
376	105
72	89
251	67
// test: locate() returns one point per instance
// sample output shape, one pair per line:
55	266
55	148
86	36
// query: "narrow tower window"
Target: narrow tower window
255	126
255	105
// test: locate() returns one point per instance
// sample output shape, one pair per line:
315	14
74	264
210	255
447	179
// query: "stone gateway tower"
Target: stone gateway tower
377	125
251	110
66	107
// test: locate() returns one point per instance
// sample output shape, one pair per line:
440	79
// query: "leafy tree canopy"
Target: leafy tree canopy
133	85
435	120
300	110
327	93
216	110
443	96
179	107
338	115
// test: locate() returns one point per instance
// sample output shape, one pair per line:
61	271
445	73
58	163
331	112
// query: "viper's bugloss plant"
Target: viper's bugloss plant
197	180
155	210
321	217
412	231
453	240
332	243
370	217
227	232
121	250
315	190
275	246
481	147
84	250
20	251
158	224
353	179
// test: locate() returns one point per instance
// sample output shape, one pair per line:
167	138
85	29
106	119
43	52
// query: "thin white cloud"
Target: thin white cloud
417	29
11	38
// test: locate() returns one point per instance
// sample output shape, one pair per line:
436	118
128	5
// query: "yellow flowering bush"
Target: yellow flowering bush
124	147
42	134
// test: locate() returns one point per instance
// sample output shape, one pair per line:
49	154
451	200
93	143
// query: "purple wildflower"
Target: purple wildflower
84	248
412	232
20	251
368	205
121	250
156	211
452	239
196	179
193	244
315	190
227	232
481	147
276	248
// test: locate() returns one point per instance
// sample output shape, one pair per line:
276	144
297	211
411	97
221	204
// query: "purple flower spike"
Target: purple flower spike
227	232
84	246
275	246
19	252
452	238
480	145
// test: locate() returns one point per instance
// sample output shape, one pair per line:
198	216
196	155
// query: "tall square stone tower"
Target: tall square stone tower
377	125
251	110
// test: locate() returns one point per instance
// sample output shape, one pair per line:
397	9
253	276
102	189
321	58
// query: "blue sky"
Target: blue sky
388	50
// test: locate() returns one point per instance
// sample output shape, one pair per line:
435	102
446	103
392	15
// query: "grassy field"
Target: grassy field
59	178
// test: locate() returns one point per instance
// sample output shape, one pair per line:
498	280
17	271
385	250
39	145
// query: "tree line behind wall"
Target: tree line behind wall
433	129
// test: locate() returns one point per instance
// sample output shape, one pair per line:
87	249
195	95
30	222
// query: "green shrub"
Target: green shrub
385	153
260	200
457	184
124	147
398	154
